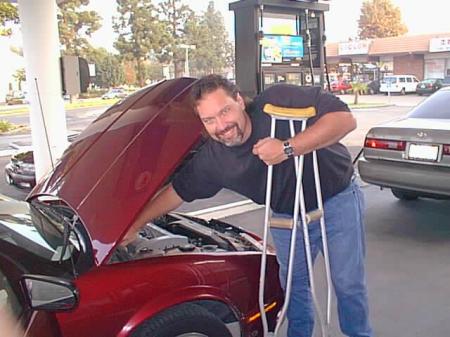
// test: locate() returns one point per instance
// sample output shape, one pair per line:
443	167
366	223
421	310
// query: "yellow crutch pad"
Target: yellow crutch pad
278	111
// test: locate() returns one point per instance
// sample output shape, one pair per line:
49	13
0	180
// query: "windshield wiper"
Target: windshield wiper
68	228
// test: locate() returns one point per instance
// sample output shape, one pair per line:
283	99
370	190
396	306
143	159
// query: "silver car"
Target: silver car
411	155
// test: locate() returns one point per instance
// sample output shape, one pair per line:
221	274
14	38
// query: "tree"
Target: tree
19	76
8	13
358	88
109	71
214	52
380	18
140	33
175	15
75	25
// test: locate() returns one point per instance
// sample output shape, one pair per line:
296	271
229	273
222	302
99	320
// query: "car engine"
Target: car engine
175	234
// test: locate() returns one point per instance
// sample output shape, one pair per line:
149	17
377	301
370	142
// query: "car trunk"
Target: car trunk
415	140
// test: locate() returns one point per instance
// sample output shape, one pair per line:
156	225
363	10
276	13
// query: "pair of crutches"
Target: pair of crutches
301	115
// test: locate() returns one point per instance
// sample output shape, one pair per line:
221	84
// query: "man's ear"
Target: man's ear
240	101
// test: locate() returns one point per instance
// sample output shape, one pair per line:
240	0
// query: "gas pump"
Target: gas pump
278	41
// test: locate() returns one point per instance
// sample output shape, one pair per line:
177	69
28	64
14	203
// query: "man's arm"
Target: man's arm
327	130
167	200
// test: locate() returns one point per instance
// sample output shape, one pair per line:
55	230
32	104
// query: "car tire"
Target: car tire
404	195
8	179
187	320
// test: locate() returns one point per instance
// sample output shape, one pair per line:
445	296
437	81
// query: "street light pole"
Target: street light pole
186	48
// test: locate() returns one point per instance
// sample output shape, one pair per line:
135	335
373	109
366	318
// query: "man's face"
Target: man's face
224	117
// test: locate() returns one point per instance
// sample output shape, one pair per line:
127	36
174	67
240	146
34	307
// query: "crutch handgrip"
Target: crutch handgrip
313	215
285	223
282	223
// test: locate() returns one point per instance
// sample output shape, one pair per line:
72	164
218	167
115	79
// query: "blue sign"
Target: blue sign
281	48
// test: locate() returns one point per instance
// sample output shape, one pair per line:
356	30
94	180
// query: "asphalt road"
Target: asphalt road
408	245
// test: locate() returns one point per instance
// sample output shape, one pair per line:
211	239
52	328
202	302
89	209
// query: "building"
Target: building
425	56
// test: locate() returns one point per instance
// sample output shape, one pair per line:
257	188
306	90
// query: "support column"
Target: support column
41	51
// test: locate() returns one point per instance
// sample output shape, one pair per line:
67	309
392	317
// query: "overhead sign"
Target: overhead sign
439	44
354	47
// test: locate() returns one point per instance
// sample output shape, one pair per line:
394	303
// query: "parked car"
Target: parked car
411	156
115	93
446	82
401	84
428	86
373	87
20	170
340	86
63	271
15	97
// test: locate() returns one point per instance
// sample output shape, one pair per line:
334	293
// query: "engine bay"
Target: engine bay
175	234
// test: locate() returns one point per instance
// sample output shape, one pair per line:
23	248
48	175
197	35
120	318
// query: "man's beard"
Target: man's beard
235	141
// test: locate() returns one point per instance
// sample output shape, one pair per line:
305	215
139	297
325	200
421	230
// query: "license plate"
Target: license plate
423	152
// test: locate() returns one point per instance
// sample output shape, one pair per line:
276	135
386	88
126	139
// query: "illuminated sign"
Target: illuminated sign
281	48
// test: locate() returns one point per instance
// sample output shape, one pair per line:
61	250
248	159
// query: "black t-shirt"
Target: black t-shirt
218	166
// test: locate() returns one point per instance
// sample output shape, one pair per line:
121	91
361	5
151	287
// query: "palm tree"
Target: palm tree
358	88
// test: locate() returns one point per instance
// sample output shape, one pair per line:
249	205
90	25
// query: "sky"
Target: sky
341	21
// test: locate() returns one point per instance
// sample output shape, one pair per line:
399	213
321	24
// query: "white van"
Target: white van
399	84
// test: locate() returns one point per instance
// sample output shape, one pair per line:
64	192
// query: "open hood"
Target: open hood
123	158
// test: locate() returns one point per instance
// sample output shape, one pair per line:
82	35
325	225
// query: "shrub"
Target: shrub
6	126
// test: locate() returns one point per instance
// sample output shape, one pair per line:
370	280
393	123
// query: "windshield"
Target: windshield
41	229
436	106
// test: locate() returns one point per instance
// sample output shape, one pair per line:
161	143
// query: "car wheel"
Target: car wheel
187	320
404	195
402	92
8	179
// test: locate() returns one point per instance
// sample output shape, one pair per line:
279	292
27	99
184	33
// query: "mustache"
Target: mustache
228	128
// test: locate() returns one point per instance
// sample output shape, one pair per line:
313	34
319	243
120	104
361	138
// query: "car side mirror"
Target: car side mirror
49	293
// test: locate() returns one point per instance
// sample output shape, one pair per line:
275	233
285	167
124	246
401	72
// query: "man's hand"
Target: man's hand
129	238
270	151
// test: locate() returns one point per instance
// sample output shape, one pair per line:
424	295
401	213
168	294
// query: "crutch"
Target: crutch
295	114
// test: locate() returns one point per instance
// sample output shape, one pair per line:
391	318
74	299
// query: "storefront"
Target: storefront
437	62
424	56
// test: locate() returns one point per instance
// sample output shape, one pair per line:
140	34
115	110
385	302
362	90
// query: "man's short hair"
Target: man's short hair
210	83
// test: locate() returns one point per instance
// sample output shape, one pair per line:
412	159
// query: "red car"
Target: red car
340	86
62	270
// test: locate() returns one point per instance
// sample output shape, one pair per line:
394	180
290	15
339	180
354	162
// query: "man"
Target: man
236	157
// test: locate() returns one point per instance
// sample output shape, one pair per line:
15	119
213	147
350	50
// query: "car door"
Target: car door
14	311
409	84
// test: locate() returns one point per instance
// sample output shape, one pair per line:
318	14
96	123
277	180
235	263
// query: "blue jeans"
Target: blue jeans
346	246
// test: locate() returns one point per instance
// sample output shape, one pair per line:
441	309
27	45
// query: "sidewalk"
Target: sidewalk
395	99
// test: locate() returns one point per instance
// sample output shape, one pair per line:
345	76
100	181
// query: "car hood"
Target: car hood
122	159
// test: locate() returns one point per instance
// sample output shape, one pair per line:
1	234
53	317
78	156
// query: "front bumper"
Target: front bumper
20	179
428	179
